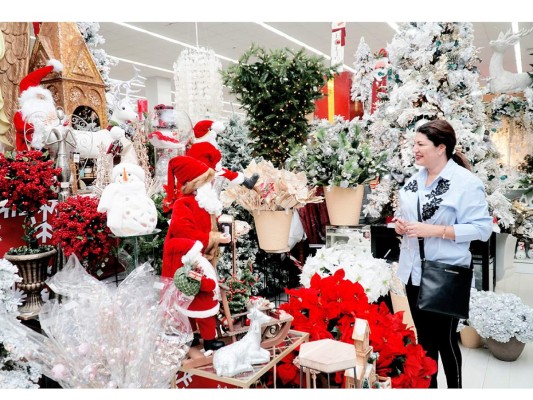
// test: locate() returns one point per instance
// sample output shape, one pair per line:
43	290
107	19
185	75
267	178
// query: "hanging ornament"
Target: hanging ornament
199	84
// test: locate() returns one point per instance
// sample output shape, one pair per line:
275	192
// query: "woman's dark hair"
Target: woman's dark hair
441	132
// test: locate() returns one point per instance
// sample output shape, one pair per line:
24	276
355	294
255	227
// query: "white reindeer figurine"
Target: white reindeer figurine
502	81
122	111
239	357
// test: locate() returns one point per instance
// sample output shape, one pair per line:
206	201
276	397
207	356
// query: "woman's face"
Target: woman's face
425	152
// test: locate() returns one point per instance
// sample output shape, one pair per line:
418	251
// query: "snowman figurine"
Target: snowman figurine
530	251
520	250
130	211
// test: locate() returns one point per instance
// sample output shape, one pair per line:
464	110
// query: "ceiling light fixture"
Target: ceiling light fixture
300	43
141	64
517	51
190	46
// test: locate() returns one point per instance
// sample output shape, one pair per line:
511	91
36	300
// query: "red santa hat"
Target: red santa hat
206	153
189	174
34	78
202	128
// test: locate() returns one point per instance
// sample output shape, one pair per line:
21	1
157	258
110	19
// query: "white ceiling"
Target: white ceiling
231	39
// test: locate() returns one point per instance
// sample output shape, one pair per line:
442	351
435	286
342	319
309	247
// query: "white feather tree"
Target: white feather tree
435	72
199	84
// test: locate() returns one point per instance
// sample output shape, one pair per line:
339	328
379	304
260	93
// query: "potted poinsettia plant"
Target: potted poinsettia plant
81	230
500	318
327	309
374	274
28	181
339	157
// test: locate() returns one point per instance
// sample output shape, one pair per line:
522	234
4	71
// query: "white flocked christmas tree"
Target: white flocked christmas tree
15	371
362	78
433	75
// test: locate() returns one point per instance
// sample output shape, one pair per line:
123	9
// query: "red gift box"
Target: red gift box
185	380
11	229
337	99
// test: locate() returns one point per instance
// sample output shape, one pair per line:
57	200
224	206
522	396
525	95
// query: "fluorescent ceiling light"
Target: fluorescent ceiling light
299	43
142	64
190	46
394	26
517	51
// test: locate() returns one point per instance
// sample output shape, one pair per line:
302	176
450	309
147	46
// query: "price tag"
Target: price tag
76	157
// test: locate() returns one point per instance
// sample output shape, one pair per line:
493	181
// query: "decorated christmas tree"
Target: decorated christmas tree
277	88
433	75
362	78
236	154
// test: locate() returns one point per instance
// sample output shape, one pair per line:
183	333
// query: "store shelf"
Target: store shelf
524	266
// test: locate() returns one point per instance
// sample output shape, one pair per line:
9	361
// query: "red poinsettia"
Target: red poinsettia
332	303
27	181
81	230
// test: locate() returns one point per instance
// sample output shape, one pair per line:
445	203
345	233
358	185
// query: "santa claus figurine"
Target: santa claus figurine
205	149
37	114
195	208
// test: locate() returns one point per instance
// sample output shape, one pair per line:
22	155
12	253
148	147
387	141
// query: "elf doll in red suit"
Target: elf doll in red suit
195	207
205	149
37	113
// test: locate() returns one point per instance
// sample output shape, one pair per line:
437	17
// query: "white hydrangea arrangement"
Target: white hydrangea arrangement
15	371
374	274
499	316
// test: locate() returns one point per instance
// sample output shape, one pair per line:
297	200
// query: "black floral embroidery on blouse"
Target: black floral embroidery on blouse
429	209
411	186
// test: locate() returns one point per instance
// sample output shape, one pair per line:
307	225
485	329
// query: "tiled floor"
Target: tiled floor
481	370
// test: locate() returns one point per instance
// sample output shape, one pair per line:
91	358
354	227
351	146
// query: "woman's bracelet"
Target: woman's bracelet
444	232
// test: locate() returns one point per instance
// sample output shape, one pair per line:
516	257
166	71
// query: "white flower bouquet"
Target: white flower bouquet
499	316
374	274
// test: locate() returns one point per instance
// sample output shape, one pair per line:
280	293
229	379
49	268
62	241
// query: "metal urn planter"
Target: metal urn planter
33	269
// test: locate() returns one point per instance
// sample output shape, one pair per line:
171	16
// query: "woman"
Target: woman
454	212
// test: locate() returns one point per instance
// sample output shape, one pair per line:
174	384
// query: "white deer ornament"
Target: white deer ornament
502	81
122	111
239	357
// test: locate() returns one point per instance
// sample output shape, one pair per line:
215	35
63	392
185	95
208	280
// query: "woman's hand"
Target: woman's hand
419	229
400	226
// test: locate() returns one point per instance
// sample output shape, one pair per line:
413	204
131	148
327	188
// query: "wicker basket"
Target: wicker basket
186	284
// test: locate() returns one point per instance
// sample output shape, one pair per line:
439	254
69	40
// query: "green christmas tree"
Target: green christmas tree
235	147
277	88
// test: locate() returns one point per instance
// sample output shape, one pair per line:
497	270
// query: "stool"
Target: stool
327	355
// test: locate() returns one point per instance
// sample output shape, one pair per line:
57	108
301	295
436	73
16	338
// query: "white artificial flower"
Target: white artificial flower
375	275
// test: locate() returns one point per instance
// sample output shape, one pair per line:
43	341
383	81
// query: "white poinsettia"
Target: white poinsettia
374	274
